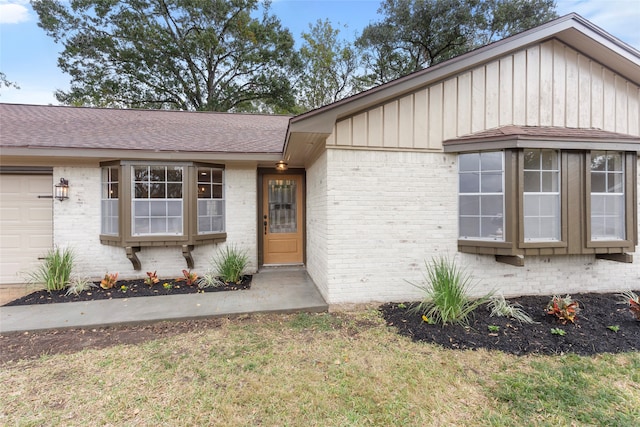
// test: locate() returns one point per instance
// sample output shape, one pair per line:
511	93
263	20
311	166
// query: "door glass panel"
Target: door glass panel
282	206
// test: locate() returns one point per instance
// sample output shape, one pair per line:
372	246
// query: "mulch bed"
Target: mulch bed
132	288
588	335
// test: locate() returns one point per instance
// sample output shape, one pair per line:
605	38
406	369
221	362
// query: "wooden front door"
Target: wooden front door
282	226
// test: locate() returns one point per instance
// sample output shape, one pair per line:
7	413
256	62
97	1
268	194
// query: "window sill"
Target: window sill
132	247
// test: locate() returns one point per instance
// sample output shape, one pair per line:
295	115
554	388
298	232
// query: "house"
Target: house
518	159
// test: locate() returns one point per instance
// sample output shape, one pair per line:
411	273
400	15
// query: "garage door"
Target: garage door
26	224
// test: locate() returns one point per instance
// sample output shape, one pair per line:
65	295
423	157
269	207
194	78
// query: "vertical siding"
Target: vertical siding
549	84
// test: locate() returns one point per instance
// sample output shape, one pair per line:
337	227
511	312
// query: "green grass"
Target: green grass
55	271
315	370
446	291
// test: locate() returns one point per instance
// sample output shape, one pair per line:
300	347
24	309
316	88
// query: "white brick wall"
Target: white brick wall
76	224
316	227
388	212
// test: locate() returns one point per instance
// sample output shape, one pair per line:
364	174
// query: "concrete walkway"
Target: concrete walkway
278	290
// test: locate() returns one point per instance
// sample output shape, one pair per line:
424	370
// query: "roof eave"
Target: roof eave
101	154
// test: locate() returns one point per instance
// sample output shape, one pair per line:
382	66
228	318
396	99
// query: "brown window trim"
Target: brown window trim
575	213
190	236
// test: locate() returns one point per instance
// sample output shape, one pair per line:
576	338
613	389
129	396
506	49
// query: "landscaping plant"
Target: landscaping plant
109	280
446	288
55	272
630	297
78	285
230	264
189	278
564	309
209	280
500	307
152	278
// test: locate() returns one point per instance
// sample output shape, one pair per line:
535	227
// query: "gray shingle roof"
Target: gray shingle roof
156	130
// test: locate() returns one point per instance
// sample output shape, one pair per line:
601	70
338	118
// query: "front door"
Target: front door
282	226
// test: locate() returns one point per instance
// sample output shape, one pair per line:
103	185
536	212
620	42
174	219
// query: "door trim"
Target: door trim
272	171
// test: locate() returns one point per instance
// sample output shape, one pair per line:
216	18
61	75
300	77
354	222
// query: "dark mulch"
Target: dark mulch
588	335
132	288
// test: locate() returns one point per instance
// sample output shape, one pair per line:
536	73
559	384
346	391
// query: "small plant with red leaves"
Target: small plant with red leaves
109	281
152	278
189	278
564	309
630	297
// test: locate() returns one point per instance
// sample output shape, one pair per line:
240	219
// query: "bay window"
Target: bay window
162	204
517	201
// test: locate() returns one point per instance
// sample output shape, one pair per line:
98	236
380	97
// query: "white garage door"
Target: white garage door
26	224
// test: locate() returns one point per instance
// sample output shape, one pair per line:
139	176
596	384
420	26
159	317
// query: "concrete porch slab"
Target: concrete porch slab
280	290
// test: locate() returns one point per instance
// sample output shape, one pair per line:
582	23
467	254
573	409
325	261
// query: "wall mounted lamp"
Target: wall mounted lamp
282	166
62	190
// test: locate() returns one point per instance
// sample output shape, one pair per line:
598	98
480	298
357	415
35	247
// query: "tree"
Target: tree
415	34
329	67
172	54
6	82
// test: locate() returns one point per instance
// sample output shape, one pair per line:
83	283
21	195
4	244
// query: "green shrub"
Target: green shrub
446	288
230	264
54	273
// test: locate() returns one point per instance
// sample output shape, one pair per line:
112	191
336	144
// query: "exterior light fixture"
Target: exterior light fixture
282	166
62	190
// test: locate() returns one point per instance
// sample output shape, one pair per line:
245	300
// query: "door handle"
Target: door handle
265	227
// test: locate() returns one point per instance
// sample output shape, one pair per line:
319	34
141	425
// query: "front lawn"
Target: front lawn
302	369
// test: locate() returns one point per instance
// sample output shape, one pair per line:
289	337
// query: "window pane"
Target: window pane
549	159
491	228
174	174
158	209
491	206
469	182
141	173
541	198
174	191
491	161
481	198
157	206
469	227
614	182
210	200
598	183
141	191
469	162
550	182
157	190
614	161
598	161
607	196
491	182
531	181
469	205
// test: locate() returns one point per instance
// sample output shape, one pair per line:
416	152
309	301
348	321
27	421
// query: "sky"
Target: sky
28	56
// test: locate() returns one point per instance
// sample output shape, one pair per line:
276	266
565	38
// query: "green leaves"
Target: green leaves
415	34
176	54
446	289
55	271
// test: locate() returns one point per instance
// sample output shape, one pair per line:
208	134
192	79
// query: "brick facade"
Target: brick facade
387	212
77	225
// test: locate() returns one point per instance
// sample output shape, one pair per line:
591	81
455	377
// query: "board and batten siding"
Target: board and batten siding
549	84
